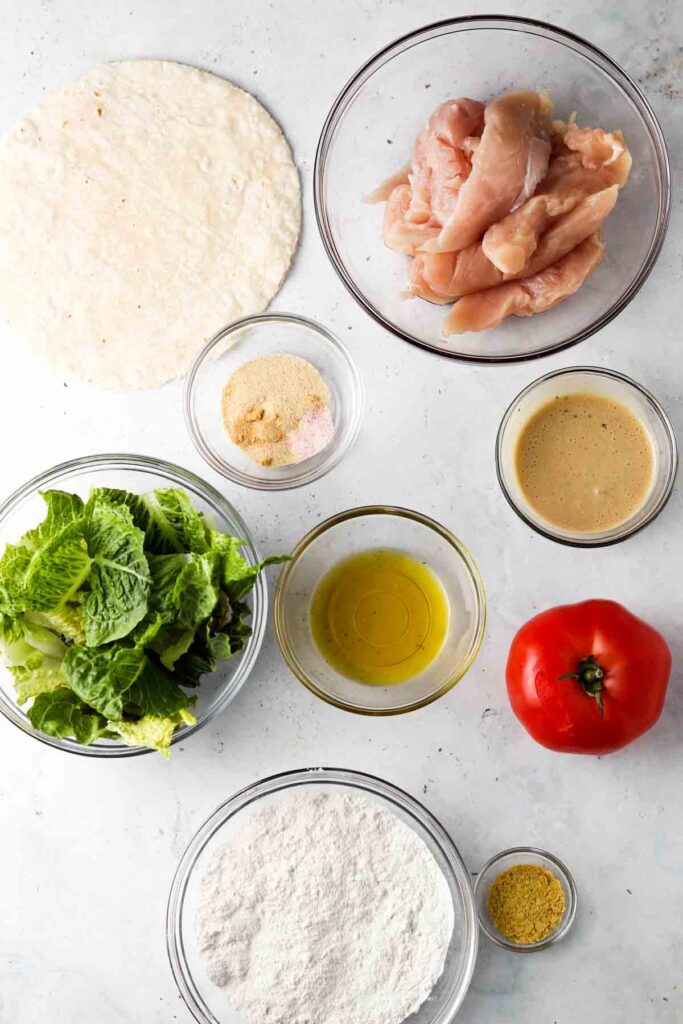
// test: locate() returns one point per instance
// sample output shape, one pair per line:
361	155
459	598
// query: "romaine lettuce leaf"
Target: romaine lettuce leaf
36	571
190	667
155	692
41	677
166	517
63	510
24	643
152	731
102	677
119	581
13	568
61	712
67	620
57	570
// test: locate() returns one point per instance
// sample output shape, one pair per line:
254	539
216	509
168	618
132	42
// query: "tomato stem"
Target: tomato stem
590	675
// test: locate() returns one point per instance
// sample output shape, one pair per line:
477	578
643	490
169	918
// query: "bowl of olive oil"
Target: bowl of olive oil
381	610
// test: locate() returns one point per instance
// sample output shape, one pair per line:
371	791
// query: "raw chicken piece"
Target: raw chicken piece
597	148
400	234
535	294
583	222
442	159
442	277
509	243
507	165
386	187
600	160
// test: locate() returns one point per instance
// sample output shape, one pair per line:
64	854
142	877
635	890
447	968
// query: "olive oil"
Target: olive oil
379	617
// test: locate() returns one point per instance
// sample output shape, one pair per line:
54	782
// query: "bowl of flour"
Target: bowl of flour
322	896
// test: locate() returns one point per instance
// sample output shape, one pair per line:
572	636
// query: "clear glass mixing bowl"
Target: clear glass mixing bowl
374	121
208	1004
355	531
250	338
592	380
25	508
510	858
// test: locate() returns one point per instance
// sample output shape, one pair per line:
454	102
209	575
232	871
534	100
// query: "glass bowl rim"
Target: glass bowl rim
567	918
259	604
356	391
421	520
533	26
622	378
288	780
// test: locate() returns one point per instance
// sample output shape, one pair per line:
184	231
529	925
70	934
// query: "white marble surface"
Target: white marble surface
88	849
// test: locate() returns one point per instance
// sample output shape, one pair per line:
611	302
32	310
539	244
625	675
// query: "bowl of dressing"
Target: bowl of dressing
586	456
380	611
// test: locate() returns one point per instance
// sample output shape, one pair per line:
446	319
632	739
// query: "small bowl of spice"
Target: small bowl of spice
526	899
273	401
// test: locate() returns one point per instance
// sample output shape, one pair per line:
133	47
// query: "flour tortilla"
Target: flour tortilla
142	208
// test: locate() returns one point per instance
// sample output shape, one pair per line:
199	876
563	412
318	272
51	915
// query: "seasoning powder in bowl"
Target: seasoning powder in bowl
326	908
276	409
526	903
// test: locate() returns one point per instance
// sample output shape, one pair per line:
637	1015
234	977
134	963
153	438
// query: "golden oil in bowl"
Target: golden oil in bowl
379	617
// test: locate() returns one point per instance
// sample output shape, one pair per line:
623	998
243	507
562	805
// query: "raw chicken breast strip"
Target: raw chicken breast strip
601	159
399	233
442	160
507	165
386	187
442	277
536	294
597	147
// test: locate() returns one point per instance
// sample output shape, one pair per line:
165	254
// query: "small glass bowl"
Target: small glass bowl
362	529
271	334
594	380
376	118
25	508
508	859
206	1001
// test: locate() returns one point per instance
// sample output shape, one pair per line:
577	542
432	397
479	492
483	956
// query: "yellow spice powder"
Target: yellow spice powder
526	903
275	407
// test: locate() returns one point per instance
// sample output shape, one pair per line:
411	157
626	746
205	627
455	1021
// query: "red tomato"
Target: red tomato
587	678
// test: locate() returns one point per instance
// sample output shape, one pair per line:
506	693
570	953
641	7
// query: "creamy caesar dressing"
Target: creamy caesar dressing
585	462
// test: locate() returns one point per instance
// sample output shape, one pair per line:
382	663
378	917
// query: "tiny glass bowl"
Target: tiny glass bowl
373	124
237	344
593	380
207	1002
363	529
508	859
25	509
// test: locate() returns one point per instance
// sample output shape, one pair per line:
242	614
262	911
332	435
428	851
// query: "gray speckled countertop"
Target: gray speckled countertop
88	849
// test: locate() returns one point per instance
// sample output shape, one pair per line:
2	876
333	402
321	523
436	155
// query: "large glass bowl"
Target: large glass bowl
208	1004
25	508
350	533
374	121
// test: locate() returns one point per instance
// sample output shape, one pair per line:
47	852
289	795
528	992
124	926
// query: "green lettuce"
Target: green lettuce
119	583
62	713
112	609
152	731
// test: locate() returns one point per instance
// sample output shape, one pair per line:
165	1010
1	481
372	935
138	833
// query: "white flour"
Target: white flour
324	909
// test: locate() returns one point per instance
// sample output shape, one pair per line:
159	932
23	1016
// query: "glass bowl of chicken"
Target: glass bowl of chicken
492	188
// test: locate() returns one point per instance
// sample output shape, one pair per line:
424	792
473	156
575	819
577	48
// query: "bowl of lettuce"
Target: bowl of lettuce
132	605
